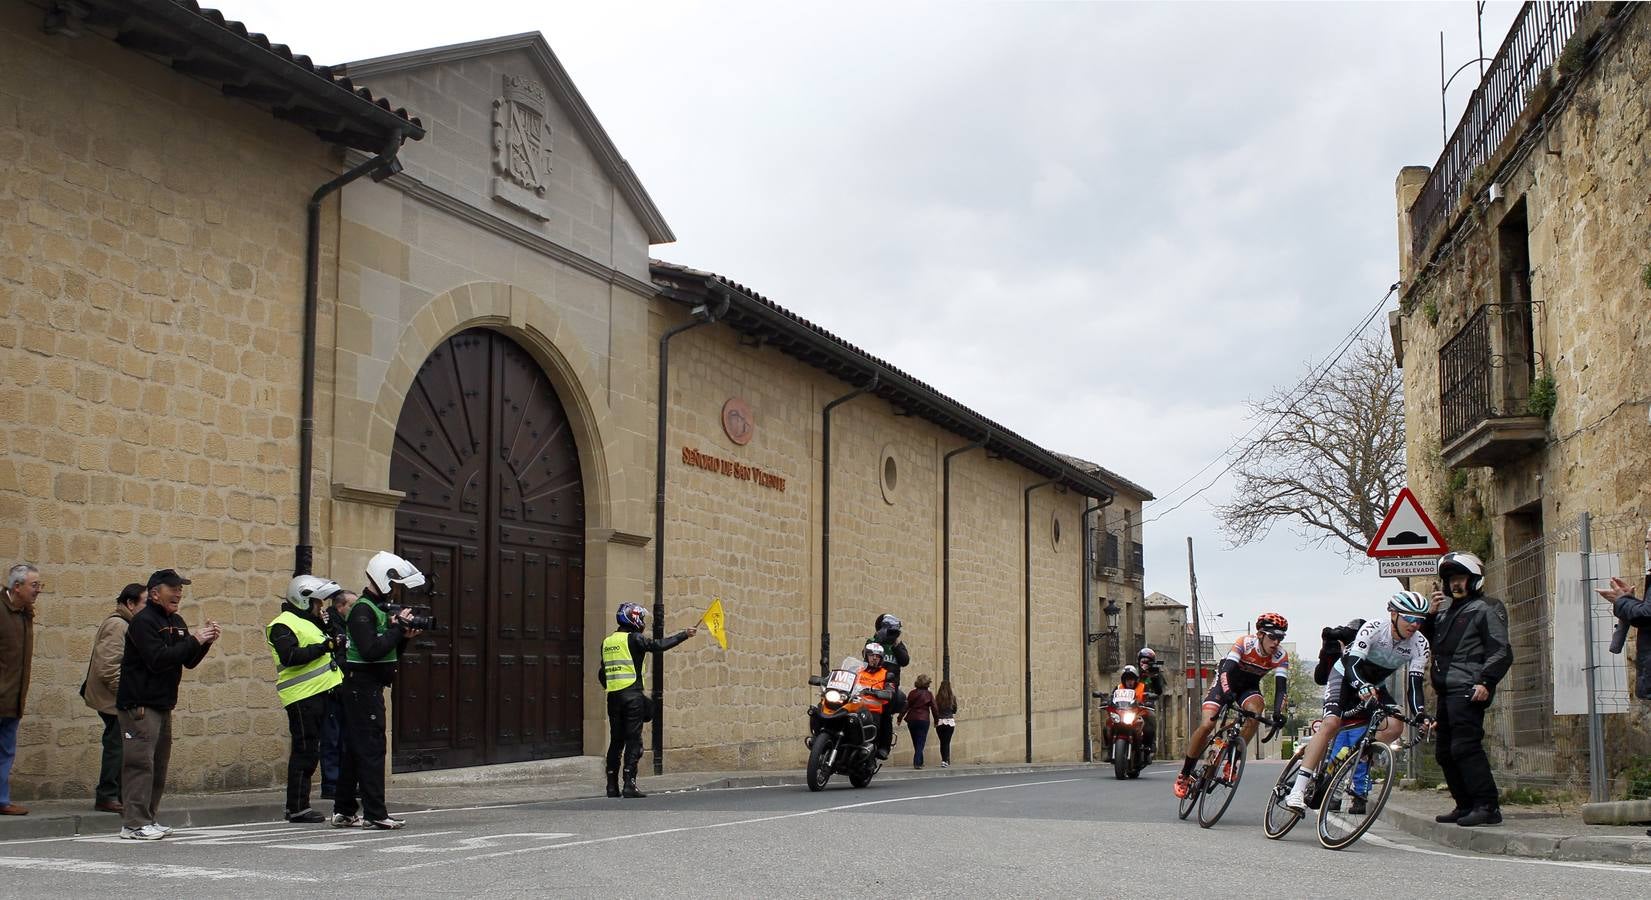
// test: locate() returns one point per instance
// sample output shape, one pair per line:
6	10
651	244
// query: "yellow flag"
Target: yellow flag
715	623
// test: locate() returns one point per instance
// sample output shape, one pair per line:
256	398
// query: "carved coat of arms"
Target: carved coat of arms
521	146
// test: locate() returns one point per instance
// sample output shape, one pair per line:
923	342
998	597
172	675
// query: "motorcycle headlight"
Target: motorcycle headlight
834	696
1128	717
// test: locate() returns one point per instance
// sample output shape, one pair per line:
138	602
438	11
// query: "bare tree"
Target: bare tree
1332	458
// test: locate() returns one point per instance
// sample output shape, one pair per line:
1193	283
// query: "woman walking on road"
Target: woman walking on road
918	713
945	721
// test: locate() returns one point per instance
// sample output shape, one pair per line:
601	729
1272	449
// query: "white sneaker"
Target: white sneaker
1297	800
146	833
164	829
386	823
339	820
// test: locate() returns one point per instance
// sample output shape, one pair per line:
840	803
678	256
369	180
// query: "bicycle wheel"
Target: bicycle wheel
1222	783
1200	772
1280	818
1361	798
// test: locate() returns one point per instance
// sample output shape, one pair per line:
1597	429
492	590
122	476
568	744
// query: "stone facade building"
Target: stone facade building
488	327
1166	632
1525	287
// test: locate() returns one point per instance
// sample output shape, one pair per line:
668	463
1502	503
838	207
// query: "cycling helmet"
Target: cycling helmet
1129	672
872	649
1272	624
1148	654
631	616
386	570
888	621
1454	563
1409	603
305	588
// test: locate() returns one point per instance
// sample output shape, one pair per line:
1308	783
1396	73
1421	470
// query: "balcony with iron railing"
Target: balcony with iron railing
1486	371
1509	87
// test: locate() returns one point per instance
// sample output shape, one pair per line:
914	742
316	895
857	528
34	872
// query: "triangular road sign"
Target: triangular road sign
1407	531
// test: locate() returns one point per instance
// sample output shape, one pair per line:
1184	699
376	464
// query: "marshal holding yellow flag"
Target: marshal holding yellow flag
716	622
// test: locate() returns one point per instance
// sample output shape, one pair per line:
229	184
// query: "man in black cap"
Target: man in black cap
159	645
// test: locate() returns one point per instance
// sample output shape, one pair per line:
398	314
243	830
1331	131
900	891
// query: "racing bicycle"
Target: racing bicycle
1352	789
1221	766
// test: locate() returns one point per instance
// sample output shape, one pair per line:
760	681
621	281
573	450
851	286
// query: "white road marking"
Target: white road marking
714	825
1526	860
145	870
484	842
351	842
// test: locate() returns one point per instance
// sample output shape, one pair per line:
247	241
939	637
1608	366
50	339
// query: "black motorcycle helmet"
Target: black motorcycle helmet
887	623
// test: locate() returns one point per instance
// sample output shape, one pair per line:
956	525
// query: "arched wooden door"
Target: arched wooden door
495	515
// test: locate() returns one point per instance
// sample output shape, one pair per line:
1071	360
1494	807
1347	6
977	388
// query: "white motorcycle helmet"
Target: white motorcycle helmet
304	589
386	570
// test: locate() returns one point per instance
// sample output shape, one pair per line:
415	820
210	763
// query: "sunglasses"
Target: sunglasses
1414	620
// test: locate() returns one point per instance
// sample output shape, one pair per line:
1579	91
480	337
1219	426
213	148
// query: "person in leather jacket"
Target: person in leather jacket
887	629
1336	638
1471	654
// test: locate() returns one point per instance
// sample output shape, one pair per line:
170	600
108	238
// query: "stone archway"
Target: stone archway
494	513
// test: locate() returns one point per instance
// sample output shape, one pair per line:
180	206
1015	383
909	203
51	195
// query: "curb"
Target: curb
1531	844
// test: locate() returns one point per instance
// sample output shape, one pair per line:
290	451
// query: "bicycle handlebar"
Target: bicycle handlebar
1246	714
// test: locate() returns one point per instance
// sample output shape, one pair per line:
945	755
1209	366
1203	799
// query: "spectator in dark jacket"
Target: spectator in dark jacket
332	728
1471	654
918	714
1635	612
159	646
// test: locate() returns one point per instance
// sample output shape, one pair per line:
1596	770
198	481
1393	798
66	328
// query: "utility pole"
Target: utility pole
1197	641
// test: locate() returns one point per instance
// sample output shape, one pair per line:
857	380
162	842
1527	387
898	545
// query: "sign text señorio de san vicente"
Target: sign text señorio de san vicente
733	469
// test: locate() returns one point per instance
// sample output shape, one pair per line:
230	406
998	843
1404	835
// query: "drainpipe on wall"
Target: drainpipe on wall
825	519
1088	620
1026	523
379	167
704	314
946	555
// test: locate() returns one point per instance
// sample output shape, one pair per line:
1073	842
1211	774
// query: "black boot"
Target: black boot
1481	815
613	784
1450	818
630	791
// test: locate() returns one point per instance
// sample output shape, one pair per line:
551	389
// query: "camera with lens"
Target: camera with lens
422	619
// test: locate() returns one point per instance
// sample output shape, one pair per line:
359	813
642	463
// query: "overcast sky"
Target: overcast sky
1107	226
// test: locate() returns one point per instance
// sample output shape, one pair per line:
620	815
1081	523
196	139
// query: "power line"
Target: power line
1317	378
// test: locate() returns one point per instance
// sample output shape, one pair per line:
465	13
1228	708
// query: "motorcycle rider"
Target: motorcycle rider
623	653
1128	680
887	637
1377	651
1239	681
1152	675
875	676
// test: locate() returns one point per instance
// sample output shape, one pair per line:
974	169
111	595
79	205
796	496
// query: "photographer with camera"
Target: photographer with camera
887	628
306	674
377	629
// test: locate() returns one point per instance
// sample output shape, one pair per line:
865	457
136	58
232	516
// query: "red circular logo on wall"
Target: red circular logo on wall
738	422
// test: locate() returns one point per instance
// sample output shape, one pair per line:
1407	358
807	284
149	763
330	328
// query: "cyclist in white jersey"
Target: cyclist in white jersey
1381	648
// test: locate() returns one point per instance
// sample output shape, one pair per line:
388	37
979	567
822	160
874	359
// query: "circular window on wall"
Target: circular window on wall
1055	531
888	472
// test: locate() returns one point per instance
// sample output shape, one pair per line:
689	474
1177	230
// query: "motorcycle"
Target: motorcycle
1127	721
843	727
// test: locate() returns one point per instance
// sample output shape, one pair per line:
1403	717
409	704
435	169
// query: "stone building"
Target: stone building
1525	281
488	330
1166	633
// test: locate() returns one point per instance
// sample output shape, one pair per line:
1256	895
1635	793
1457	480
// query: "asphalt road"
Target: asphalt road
1072	831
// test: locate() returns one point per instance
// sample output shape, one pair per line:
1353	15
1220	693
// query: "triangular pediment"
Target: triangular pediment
514	99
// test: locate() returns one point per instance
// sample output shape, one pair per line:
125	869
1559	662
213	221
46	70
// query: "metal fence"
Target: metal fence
1564	719
1532	46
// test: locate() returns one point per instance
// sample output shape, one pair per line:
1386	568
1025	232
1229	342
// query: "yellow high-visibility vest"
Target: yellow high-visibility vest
319	675
618	669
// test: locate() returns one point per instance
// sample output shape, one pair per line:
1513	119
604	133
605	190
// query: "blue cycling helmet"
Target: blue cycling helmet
632	616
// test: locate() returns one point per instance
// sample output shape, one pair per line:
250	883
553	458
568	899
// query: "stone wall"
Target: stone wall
758	549
151	265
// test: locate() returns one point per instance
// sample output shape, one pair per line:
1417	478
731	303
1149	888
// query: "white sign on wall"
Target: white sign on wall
1571	604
